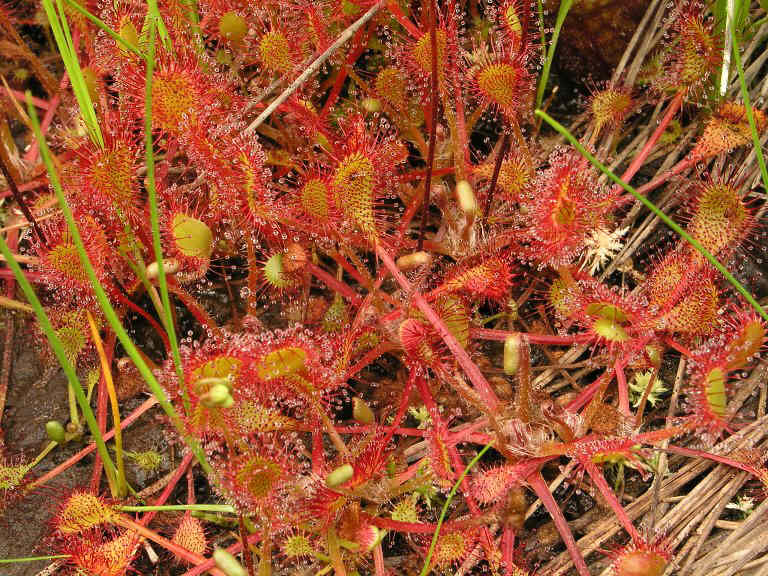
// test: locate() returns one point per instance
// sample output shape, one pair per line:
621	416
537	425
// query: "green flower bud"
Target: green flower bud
55	431
218	396
340	475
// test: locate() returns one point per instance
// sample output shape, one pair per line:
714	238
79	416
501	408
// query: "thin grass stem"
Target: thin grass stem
562	12
106	306
655	209
433	544
58	350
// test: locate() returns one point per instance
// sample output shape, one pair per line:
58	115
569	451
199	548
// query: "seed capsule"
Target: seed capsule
414	260
511	354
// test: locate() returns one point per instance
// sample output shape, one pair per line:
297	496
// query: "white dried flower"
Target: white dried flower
601	247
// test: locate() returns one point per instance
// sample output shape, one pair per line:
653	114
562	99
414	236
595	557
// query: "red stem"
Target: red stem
148	317
461	126
337	285
418	174
542	339
641	157
456	461
597	477
715	458
684	164
481	385
404	401
508	549
200	314
31	156
621	382
174	549
672	343
378	561
536	482
318	450
26	187
369	357
495	176
247	555
7	274
396	11
168	490
357	49
348	268
406	527
586	394
37	102
208	564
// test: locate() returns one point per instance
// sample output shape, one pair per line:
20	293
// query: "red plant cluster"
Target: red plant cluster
347	394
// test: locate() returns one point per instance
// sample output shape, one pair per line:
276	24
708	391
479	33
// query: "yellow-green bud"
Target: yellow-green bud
340	475
512	354
362	412
228	563
218	396
55	431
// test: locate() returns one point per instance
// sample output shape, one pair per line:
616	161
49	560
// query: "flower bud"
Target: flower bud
340	475
170	265
55	431
218	396
465	197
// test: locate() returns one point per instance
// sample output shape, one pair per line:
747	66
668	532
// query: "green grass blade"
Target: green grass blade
427	561
33	559
154	212
60	28
562	12
61	356
153	13
748	110
219	508
655	209
102	25
101	296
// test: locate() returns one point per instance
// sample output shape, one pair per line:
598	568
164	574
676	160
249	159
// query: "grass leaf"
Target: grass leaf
101	296
562	12
432	545
61	33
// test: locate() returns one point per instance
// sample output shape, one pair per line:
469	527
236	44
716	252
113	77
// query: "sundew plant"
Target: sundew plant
395	286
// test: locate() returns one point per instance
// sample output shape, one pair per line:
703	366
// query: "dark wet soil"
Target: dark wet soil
36	394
